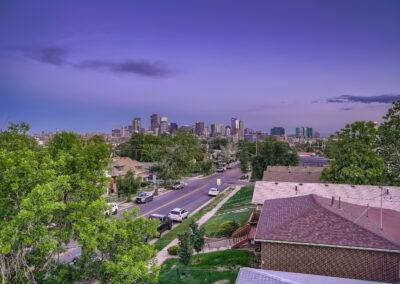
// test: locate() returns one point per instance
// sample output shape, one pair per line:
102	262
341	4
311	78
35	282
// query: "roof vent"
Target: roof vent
326	184
300	184
333	200
353	185
276	182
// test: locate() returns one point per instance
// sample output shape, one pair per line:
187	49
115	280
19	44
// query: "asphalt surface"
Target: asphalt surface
190	198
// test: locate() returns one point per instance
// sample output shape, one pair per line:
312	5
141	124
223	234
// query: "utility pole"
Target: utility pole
256	143
383	191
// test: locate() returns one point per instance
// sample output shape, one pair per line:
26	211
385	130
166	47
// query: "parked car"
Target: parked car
179	185
178	214
213	191
229	166
144	197
220	169
114	208
165	222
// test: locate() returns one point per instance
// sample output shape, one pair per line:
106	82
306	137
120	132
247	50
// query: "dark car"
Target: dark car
165	222
144	197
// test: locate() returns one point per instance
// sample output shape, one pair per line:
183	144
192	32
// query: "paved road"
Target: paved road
191	197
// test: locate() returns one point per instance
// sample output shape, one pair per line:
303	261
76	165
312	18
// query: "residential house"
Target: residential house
316	235
122	165
293	174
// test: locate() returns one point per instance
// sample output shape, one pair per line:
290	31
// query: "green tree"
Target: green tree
389	143
355	156
198	237
97	139
218	142
206	167
128	184
51	196
244	159
185	251
272	153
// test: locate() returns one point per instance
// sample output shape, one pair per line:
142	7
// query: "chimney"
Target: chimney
332	201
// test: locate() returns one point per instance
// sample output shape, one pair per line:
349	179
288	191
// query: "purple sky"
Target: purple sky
95	65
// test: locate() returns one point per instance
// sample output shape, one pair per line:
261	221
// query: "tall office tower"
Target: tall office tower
137	124
277	131
206	132
235	126
124	131
199	128
228	131
310	132
300	132
154	122
216	129
163	124
241	128
173	128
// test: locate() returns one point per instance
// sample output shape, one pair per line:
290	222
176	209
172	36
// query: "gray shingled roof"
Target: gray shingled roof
259	276
293	174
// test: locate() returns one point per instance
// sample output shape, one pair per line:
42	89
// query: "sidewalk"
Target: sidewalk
163	254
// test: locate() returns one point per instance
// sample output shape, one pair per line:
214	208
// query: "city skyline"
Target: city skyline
269	63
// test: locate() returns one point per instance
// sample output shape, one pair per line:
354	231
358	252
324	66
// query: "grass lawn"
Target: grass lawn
213	223
241	199
212	266
171	235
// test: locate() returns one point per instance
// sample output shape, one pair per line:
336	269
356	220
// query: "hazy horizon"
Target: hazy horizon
95	65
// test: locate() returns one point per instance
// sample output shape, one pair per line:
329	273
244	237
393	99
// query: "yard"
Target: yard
240	201
212	267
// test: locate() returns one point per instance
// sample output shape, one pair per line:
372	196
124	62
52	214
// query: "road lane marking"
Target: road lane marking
176	199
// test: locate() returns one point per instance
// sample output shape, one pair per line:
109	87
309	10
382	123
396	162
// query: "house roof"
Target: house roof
123	164
357	194
260	276
310	219
293	174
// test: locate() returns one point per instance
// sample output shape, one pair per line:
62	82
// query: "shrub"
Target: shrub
173	250
226	228
144	184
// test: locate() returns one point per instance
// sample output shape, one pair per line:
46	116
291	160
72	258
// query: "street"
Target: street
191	197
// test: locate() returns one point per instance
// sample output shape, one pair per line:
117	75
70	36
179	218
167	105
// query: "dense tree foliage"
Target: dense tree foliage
176	155
270	153
128	185
363	153
356	160
389	143
51	196
218	142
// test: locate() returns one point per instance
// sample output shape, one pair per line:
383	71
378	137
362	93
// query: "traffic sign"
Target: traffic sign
218	181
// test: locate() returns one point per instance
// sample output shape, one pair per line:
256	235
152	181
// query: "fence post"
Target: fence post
178	275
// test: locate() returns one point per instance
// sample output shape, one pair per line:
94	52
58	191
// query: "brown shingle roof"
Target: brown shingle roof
293	174
310	219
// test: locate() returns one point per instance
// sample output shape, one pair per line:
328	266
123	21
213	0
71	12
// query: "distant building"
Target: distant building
199	128
317	134
116	133
173	128
187	128
305	132
217	129
234	126
154	123
248	131
124	131
163	124
277	131
228	131
241	129
206	132
137	124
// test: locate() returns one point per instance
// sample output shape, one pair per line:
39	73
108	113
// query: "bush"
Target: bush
173	250
226	228
144	184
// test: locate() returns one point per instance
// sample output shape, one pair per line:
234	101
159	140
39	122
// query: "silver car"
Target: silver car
178	214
